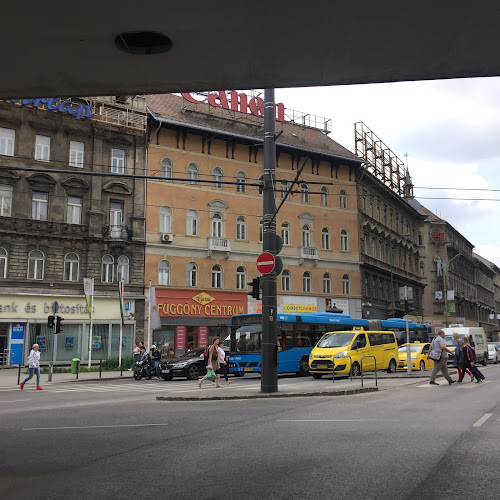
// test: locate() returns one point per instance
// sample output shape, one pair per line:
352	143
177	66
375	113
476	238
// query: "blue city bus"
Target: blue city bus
298	334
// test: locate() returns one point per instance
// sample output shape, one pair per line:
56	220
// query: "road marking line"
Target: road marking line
482	420
347	420
15	400
90	427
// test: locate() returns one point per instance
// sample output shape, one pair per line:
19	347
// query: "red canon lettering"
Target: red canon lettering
190	98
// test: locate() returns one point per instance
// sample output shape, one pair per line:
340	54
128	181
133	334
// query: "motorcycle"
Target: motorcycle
145	368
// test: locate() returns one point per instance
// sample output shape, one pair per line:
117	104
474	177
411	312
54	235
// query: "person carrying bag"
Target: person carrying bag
469	358
213	363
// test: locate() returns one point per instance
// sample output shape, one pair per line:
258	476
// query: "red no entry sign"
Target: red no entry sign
265	263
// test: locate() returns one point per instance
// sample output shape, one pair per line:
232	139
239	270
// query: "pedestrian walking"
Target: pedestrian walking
458	358
213	360
136	351
439	354
469	358
34	367
223	361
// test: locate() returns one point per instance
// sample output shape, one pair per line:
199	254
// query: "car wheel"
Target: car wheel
422	365
137	375
239	374
355	370
485	361
317	375
193	372
167	377
392	366
304	367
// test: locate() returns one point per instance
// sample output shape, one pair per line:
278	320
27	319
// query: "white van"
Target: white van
477	340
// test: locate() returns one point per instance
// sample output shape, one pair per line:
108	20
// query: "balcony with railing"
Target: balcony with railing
117	233
218	244
308	253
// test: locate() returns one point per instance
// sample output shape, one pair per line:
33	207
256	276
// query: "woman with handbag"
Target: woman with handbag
213	363
469	358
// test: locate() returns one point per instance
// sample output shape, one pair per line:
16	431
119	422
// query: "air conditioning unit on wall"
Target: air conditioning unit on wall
167	238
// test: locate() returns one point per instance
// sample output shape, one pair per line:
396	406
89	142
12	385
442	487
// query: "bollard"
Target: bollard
100	368
77	369
121	368
19	375
51	366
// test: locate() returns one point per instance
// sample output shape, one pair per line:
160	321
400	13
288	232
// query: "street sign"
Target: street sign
265	263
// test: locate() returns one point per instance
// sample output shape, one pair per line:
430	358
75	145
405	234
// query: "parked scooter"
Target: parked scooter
144	368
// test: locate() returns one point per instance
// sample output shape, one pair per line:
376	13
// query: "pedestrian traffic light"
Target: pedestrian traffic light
255	284
50	321
59	324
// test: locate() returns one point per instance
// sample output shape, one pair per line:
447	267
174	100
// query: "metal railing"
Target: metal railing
361	368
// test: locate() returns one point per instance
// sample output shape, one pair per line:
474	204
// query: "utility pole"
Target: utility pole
269	375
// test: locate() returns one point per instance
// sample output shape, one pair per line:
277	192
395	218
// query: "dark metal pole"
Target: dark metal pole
100	368
269	380
19	375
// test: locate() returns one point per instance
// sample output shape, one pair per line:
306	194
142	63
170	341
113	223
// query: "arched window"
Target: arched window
217	226
216	276
306	282
192	223
3	262
327	283
324	196
164	273
165	220
343	198
217	178
241	278
304	188
36	260
191	274
285	280
123	269
346	284
285	233
241	228
306	236
167	168
192	171
107	273
325	238
71	267
241	179
344	241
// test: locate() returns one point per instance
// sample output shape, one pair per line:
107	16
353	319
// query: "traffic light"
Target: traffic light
50	321
255	284
409	306
59	324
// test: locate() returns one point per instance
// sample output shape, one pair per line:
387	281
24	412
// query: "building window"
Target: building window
3	262
285	233
116	214
7	137
285	280
241	228
118	161
343	198
191	274
217	178
39	204
371	209
107	275
327	283
325	238
216	276
76	154
344	241
71	267
193	174
42	148
284	188
385	215
391	219
74	212
241	278
346	285
164	273
363	203
35	265
192	223
241	182
5	201
324	196
304	188
261	231
378	211
217	226
306	282
123	269
306	236
165	220
167	168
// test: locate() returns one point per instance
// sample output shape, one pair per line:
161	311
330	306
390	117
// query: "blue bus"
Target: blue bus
298	334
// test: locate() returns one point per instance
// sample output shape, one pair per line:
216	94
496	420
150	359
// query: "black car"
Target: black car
192	365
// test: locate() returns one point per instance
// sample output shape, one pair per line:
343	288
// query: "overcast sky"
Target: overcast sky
450	130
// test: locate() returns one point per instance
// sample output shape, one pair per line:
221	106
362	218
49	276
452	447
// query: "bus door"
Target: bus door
286	342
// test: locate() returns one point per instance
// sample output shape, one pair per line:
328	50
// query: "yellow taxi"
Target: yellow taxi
419	352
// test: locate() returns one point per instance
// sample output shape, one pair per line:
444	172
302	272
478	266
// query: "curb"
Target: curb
346	392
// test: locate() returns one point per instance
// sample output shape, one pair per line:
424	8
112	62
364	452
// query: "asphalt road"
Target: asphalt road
113	440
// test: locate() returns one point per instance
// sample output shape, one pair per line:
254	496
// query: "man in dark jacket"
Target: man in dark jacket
155	356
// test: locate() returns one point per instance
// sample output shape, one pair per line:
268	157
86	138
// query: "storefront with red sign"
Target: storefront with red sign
190	318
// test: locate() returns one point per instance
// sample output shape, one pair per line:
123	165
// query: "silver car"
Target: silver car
494	352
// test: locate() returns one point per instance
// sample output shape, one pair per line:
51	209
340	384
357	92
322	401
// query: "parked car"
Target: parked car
419	352
477	339
494	352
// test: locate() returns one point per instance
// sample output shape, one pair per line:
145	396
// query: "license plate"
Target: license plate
249	369
322	367
165	371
